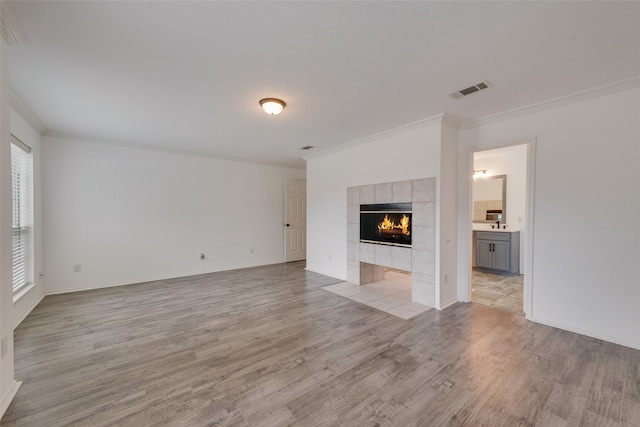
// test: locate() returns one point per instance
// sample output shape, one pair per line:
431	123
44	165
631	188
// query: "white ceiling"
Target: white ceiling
188	75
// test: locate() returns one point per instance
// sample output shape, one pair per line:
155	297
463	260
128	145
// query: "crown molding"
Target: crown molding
23	109
451	120
10	25
430	121
554	103
162	149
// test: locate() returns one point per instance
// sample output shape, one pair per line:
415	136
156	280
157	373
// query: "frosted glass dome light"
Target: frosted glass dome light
272	106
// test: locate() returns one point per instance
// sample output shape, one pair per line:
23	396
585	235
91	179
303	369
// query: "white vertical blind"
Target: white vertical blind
22	204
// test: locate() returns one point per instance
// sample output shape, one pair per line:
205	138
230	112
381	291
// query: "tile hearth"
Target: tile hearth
391	295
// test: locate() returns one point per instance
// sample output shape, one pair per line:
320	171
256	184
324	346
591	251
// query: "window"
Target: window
22	204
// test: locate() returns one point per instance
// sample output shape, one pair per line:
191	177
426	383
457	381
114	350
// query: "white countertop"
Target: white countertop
487	227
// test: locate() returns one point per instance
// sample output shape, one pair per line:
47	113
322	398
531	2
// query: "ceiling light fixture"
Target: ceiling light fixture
272	106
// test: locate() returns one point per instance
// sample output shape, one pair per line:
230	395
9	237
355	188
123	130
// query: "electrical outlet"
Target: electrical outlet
4	347
330	257
252	251
77	268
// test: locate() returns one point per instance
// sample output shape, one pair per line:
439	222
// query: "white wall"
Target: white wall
129	215
8	386
586	242
410	155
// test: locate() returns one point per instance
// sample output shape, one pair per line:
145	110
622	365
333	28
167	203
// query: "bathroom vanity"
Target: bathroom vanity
497	250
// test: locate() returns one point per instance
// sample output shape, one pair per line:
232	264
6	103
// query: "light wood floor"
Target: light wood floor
267	346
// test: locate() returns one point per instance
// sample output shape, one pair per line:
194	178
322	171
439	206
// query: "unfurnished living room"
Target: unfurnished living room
319	213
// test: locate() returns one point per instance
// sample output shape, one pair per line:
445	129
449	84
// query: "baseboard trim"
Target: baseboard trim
27	311
8	396
634	345
152	279
101	286
447	304
313	270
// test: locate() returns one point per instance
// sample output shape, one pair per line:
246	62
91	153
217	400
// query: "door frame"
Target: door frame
465	251
284	218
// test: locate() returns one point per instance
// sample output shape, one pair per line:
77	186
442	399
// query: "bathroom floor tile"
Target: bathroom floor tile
498	291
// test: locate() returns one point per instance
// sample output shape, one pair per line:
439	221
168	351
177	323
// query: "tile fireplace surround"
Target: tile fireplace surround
366	261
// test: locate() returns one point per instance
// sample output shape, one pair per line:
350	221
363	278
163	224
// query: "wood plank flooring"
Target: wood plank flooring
267	346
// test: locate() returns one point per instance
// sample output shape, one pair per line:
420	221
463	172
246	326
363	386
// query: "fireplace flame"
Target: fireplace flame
388	224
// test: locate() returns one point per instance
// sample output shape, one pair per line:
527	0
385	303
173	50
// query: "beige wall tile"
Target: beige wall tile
424	213
378	273
367	194
366	273
383	255
367	253
353	196
424	190
423	262
423	291
353	251
353	272
353	232
401	258
402	191
384	192
423	237
353	214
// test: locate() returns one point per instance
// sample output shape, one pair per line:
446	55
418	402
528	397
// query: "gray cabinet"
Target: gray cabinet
498	250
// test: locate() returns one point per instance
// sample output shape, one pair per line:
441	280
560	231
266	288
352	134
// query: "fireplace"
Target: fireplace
367	257
386	224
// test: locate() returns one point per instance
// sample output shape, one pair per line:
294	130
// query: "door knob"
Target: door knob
287	225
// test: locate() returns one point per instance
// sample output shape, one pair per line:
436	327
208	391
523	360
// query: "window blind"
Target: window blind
22	213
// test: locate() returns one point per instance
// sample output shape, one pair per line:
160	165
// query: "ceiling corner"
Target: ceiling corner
23	109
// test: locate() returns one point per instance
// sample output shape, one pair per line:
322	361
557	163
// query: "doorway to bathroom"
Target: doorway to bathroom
499	194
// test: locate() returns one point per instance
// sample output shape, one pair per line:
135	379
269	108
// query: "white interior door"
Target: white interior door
295	219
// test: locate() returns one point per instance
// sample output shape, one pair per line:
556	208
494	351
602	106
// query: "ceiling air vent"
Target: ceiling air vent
471	89
307	147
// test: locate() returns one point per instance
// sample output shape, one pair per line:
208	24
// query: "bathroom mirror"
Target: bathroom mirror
490	199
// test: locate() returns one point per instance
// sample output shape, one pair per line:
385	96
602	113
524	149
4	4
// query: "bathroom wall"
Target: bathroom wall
512	162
